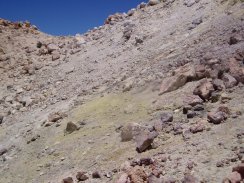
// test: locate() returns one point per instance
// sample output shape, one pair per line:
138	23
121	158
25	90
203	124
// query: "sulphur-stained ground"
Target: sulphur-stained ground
65	101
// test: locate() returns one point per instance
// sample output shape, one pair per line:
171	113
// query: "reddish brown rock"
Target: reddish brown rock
137	174
234	177
144	140
17	25
217	117
180	77
199	127
187	70
96	175
81	176
193	100
236	70
126	166
204	89
68	180
124	178
172	83
224	109
240	169
229	81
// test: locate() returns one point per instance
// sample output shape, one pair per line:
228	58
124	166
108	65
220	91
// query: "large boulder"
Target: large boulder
229	81
126	133
180	77
172	83
71	127
144	140
240	169
219	115
204	89
216	117
234	177
236	70
129	131
192	100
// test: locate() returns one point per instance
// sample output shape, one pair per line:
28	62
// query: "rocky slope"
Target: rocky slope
154	95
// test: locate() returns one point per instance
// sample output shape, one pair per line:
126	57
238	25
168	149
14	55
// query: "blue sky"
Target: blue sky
63	17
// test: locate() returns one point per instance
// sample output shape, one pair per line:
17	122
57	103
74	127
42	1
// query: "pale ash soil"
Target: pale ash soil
88	86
